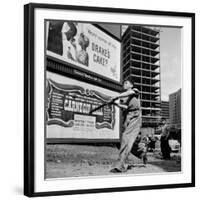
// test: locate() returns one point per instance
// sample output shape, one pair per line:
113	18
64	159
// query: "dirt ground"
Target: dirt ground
70	160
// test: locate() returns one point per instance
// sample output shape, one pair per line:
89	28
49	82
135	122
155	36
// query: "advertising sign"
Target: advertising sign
68	105
85	46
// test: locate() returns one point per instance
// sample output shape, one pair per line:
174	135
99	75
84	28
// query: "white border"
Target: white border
42	185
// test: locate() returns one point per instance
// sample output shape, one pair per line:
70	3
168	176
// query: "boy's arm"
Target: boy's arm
123	106
127	93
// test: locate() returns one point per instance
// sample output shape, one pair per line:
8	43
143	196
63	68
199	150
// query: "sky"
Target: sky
170	61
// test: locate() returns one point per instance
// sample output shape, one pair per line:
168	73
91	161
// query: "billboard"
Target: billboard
69	102
85	46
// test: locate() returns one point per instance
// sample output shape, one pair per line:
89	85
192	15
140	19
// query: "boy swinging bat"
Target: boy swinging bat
130	104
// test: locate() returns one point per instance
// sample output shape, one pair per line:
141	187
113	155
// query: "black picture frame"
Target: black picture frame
29	95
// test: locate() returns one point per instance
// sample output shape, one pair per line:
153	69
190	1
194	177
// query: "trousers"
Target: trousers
132	127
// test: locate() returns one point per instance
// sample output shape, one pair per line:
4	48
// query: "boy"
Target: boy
164	140
132	122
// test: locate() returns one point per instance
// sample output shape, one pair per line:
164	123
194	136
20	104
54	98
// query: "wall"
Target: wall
11	101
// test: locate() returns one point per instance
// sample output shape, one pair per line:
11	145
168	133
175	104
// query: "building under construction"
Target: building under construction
141	59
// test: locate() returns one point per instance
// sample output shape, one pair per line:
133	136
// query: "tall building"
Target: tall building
141	59
165	109
175	109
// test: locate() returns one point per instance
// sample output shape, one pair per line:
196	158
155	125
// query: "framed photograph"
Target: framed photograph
109	99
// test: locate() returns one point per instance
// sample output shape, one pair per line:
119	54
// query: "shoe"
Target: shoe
115	170
145	159
119	167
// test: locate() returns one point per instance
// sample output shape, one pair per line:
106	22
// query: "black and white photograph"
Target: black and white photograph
113	99
108	100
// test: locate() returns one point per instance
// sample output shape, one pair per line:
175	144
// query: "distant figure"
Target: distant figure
54	42
140	147
152	142
164	140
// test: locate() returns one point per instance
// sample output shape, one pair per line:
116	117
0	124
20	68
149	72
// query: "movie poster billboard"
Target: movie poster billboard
85	46
68	107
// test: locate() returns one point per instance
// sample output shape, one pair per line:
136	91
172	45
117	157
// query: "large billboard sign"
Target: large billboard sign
68	105
85	46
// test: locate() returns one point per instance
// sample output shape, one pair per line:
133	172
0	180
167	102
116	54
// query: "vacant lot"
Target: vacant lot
86	160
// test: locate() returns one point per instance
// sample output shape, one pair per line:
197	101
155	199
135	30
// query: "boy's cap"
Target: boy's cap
130	79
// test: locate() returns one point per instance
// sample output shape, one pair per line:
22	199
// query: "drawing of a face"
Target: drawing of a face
83	41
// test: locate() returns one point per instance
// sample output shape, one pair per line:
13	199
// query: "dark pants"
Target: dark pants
165	148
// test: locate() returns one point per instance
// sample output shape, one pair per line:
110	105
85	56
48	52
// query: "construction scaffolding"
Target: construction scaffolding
141	59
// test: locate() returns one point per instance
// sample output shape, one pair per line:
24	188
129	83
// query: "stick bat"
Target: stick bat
102	105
